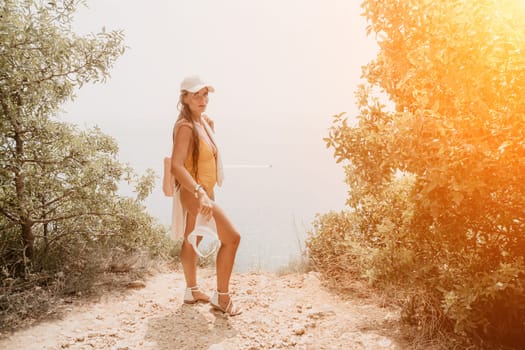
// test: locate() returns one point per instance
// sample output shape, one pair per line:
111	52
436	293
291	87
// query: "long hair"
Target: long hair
185	114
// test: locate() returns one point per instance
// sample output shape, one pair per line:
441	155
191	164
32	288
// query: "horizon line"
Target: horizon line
247	166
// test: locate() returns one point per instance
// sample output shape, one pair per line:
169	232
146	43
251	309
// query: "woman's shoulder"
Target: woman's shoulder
208	120
183	126
182	122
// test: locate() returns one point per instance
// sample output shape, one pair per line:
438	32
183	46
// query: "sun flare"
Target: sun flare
517	7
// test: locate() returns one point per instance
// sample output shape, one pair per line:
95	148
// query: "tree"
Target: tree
455	73
59	184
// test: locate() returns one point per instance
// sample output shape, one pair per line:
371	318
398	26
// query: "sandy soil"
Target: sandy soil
287	312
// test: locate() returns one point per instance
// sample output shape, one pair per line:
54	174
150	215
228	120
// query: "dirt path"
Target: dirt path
287	312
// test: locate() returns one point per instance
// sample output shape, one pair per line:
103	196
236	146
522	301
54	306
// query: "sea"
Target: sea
273	202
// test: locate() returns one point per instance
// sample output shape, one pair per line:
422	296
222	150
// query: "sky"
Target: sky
281	70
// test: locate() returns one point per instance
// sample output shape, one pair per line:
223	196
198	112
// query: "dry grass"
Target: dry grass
41	296
299	264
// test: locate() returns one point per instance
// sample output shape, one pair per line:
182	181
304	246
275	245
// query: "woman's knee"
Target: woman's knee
237	238
187	250
233	238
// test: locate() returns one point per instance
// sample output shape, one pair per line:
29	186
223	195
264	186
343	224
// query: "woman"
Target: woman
195	168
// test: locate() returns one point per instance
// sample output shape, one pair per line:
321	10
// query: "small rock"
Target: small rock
310	325
390	317
120	267
216	347
320	314
384	343
136	284
298	330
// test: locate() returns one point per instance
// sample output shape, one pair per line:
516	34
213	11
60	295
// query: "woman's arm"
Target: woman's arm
181	146
182	139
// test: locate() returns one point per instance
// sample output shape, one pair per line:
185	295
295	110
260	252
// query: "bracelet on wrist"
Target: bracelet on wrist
198	187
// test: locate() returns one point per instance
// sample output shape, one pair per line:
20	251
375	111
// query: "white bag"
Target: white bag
207	229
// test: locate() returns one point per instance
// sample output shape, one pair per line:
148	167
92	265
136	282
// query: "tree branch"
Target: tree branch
88	63
66	194
72	216
10	216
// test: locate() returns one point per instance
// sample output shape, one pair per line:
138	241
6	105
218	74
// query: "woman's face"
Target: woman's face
197	101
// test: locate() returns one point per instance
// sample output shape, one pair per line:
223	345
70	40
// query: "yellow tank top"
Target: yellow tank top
207	166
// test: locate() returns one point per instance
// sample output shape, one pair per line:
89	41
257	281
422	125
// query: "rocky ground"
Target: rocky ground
279	312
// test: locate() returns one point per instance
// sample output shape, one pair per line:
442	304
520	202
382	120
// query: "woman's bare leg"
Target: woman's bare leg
189	258
230	239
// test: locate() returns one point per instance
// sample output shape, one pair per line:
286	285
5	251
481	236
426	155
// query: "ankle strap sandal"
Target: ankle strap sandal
230	309
190	299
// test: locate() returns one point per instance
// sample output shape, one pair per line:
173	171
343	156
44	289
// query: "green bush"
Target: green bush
63	223
435	178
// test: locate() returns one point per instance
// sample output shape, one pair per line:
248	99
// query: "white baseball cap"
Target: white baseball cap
194	83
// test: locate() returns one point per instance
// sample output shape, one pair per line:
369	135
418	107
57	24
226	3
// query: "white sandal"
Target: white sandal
190	299
230	309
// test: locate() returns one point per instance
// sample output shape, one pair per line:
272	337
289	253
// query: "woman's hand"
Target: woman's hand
205	205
